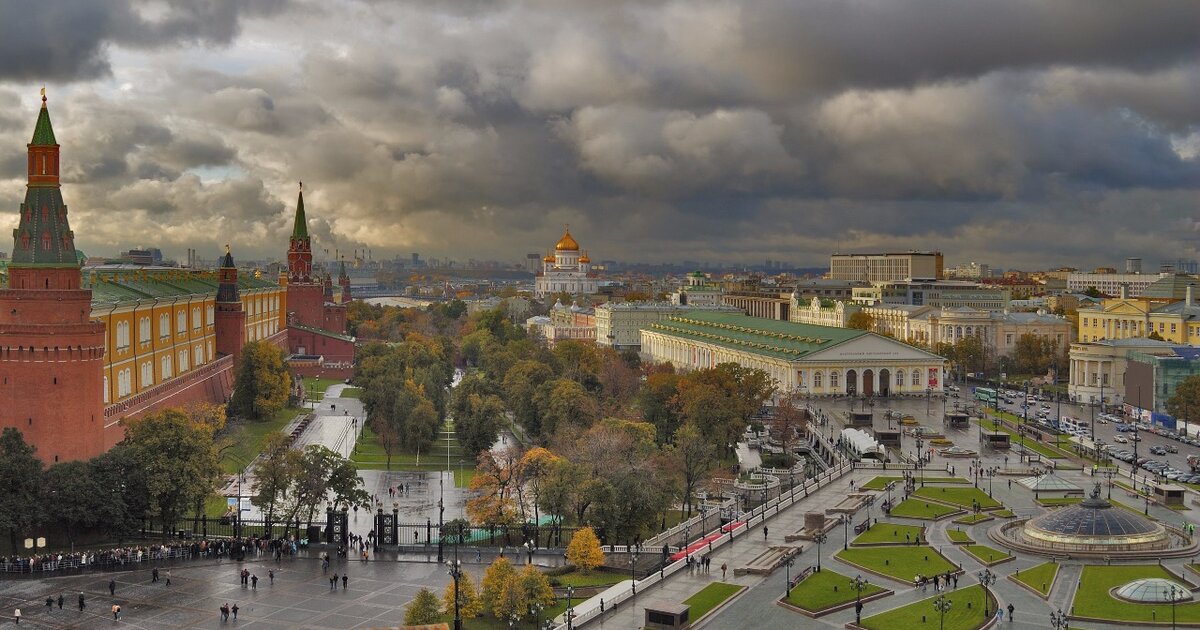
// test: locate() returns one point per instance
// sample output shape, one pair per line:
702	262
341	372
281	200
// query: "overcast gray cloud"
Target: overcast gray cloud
1020	133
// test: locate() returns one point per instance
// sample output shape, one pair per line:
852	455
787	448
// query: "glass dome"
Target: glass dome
1153	590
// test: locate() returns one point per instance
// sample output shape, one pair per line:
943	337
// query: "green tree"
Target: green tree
262	383
424	609
20	475
72	497
861	321
694	457
656	400
579	361
178	459
122	494
478	414
1185	402
275	475
561	402
520	385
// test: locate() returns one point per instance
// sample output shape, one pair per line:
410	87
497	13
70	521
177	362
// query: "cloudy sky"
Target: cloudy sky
1020	133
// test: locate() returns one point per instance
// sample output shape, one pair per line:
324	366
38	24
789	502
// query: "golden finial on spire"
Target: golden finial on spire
43	96
301	186
226	248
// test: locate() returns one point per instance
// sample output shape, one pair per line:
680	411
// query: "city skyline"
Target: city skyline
660	132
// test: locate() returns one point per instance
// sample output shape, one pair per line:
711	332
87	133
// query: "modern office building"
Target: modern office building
886	267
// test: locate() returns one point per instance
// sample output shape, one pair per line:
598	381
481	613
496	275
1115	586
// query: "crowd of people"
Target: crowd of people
122	557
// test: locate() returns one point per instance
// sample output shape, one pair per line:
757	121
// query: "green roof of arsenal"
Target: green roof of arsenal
780	339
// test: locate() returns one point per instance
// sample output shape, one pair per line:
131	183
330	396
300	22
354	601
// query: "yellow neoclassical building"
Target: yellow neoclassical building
160	322
1125	318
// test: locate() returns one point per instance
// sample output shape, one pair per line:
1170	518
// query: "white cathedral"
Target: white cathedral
566	271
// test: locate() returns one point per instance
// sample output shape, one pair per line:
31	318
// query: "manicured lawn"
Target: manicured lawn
878	483
1092	598
314	388
959	617
709	598
246	438
1033	445
351	392
959	536
965	497
368	454
1039	578
971	519
889	533
816	592
901	563
592	578
916	508
986	554
1004	513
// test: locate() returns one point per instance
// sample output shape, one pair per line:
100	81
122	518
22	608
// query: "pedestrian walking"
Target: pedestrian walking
17	616
254	581
333	582
154	575
224	612
60	601
1010	612
234	611
116	610
478	556
271	576
81	606
112	587
345	578
168	577
49	604
764	532
956	581
723	568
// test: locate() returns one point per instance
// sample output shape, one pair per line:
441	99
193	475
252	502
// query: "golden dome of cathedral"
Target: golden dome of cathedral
566	243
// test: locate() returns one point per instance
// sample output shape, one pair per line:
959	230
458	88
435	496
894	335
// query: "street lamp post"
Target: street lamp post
633	572
986	579
787	576
441	511
1174	594
845	532
1059	620
570	607
456	573
942	605
921	458
859	585
819	538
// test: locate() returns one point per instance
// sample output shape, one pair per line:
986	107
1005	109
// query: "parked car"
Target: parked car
1120	438
1171	448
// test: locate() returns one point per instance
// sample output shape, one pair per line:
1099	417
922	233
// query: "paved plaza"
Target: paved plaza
378	590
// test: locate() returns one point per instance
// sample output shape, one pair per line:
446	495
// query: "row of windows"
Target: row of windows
181	322
818	378
167	363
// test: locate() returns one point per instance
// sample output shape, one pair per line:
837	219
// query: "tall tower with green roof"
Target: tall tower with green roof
305	293
51	352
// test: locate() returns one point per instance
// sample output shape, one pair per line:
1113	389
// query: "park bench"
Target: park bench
862	527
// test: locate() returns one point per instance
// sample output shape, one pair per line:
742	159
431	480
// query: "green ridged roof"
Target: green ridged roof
111	287
300	227
785	340
43	133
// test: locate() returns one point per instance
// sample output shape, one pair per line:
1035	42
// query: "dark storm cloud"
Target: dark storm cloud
1056	131
67	40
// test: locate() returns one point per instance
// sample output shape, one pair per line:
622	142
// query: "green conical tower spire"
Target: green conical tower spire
300	227
43	132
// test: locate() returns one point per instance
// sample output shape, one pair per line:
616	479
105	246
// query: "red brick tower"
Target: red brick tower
344	282
51	353
305	295
231	317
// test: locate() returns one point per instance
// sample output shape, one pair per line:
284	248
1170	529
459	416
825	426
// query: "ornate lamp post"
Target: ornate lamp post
819	538
632	571
1059	620
1174	594
921	458
859	585
845	532
441	511
456	573
570	607
942	605
986	579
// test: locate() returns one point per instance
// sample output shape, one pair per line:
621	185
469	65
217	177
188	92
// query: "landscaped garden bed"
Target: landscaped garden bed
922	614
963	497
1039	579
959	537
878	483
987	555
710	598
899	563
828	591
973	519
1094	601
921	509
890	534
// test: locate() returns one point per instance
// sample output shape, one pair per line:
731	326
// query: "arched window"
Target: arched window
106	395
833	379
816	380
899	378
164	326
181	323
916	378
196	323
